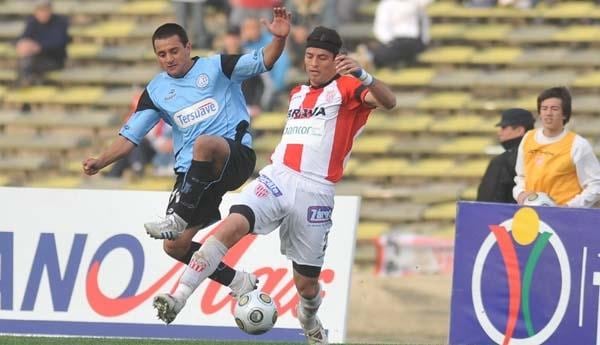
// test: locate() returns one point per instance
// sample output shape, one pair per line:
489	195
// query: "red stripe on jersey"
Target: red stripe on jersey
293	155
349	122
293	152
352	116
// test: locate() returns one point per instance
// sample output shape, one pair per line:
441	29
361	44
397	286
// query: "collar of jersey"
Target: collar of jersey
195	58
324	84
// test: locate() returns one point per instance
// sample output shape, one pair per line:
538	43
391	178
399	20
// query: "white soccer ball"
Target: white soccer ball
255	312
539	199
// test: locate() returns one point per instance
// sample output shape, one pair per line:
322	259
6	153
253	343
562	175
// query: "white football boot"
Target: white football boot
316	335
167	307
168	228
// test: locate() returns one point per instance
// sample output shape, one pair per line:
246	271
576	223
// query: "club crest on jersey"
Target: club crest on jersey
304	113
261	191
330	96
319	214
202	81
270	185
196	113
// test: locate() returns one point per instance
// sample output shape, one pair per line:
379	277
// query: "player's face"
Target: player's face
551	115
319	65
173	56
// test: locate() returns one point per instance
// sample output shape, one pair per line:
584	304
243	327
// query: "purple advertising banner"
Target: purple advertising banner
525	275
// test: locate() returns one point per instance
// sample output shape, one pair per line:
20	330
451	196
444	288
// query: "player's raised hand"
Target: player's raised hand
281	23
347	65
91	166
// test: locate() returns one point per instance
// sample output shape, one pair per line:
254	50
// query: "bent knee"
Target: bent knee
210	147
175	249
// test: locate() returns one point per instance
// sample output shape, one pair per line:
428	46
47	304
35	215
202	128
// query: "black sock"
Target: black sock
198	177
223	274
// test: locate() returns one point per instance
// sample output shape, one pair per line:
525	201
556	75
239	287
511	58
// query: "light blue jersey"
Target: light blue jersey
208	100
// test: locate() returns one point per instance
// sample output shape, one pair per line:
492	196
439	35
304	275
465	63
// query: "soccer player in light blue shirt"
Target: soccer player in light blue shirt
201	99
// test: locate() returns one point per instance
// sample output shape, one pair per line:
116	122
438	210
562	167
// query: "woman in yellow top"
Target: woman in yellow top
554	160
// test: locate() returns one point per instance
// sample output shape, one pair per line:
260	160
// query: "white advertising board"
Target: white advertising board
78	262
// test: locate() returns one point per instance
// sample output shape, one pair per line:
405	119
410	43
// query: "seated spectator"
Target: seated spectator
253	38
253	88
161	139
156	148
242	9
481	3
401	28
329	13
190	15
43	45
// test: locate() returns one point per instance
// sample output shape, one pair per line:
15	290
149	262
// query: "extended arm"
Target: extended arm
120	148
279	28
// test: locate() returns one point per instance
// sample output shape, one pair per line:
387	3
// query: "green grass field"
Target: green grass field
9	340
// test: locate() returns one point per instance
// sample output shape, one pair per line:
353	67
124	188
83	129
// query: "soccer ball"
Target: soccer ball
255	312
539	199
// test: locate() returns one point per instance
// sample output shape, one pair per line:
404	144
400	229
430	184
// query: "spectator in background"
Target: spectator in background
401	28
498	181
242	9
161	139
252	88
554	160
254	38
311	13
43	45
155	147
190	15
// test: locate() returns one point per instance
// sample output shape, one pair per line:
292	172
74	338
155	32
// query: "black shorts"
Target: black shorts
238	168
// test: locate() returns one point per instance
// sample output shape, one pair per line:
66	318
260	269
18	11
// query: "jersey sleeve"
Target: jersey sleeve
145	116
354	92
241	67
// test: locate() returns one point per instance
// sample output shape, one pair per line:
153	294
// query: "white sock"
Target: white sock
203	263
307	311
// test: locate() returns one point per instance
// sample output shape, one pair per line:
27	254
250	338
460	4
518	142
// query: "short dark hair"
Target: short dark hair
561	93
170	29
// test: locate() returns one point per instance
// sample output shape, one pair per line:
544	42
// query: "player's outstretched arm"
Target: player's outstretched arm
279	28
120	148
380	95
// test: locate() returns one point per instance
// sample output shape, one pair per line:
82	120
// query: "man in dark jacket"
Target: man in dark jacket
43	45
498	181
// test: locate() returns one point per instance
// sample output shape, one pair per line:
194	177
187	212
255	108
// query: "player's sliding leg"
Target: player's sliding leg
203	264
183	248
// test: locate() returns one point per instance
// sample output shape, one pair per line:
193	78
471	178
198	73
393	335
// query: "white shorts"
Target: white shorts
299	206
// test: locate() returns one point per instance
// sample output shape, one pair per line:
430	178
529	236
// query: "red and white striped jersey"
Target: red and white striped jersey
321	126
